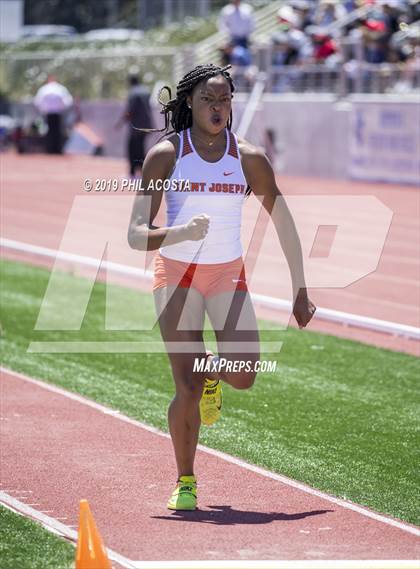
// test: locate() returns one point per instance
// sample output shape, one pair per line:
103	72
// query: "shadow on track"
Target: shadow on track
227	516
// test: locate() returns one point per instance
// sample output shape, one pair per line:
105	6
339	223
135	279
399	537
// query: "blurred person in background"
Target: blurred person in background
328	12
237	20
53	100
392	11
283	54
289	22
325	48
350	5
413	10
137	114
411	71
375	44
304	11
405	47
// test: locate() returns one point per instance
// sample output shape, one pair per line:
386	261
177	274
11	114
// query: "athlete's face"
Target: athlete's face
211	103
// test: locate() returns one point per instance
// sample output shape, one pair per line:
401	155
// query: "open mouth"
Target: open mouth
216	120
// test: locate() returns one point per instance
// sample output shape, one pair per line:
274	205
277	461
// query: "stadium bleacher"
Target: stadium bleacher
363	46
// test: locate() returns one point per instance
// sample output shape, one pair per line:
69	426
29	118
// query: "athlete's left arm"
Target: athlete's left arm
260	176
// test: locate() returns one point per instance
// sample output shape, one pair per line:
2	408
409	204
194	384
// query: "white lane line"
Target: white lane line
339	317
280	478
386	564
19	497
55	526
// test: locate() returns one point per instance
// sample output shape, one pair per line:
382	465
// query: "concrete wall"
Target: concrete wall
310	133
368	137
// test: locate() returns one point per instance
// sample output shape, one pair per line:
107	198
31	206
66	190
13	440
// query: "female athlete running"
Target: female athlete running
199	267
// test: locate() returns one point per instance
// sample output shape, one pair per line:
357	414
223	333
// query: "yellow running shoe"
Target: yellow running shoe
184	497
211	402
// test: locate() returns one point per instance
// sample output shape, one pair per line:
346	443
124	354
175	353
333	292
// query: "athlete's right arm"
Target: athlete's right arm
144	236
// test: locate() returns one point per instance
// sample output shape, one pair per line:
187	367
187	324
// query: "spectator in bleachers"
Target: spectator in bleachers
410	51
328	12
375	46
236	56
391	14
282	52
357	43
350	5
291	46
283	55
324	46
413	10
237	20
303	9
243	72
297	39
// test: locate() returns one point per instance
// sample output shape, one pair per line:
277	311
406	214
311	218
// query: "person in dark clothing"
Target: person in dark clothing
54	137
138	115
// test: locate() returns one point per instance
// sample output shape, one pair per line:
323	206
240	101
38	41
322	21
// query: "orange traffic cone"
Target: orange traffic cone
90	553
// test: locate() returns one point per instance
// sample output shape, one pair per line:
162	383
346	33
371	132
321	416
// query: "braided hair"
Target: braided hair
176	111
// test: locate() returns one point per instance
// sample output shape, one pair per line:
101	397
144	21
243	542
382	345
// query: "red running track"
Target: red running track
57	450
38	193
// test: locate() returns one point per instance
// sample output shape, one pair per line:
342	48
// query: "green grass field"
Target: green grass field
338	415
26	545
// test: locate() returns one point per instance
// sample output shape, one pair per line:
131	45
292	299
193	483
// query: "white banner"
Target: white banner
385	141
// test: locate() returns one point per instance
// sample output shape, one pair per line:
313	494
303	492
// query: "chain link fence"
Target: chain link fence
96	74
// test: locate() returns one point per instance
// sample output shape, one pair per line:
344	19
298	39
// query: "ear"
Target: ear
189	101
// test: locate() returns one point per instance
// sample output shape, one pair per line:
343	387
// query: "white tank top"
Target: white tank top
214	188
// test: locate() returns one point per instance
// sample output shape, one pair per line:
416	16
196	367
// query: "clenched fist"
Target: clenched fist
197	228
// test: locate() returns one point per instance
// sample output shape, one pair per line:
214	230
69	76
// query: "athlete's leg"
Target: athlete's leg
183	413
233	319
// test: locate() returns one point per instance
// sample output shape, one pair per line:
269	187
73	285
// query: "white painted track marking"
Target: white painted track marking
53	525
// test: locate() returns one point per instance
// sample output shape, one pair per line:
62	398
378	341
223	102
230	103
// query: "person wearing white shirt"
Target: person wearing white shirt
52	101
238	21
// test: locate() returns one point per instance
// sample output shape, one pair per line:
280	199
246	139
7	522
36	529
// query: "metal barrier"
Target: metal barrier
340	79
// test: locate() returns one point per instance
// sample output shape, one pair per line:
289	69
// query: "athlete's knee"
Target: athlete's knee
242	380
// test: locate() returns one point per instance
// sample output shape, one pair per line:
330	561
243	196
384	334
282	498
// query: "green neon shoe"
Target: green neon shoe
211	402
184	497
